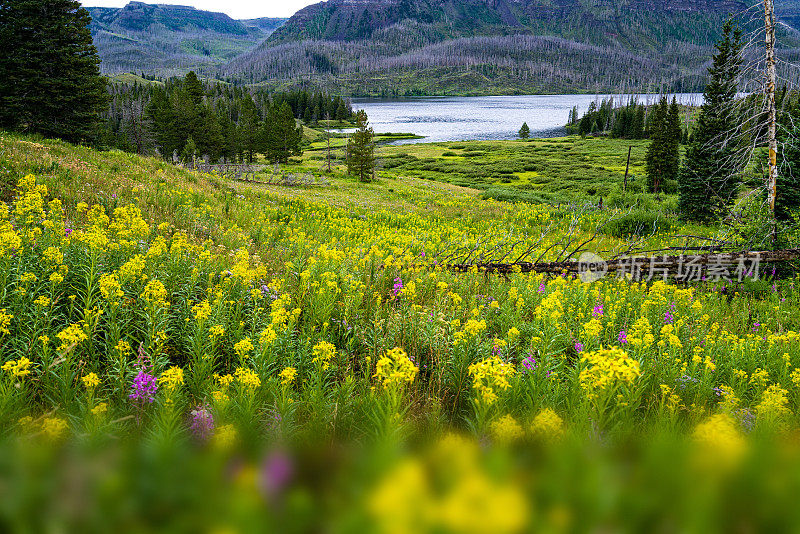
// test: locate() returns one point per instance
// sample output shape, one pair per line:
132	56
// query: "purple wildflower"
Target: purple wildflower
622	337
579	346
144	387
746	419
277	472
398	286
202	423
541	287
530	363
597	311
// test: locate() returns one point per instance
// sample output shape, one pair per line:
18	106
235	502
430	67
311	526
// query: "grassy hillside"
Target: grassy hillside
183	352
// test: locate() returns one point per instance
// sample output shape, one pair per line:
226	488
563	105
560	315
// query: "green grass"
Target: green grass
556	169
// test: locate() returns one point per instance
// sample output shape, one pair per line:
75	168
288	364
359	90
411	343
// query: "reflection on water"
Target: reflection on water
484	117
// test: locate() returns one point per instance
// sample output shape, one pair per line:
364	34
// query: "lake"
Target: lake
484	117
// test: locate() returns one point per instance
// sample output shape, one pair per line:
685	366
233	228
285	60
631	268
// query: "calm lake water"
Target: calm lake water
484	117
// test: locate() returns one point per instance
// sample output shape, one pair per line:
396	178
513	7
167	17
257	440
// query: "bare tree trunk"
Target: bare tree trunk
769	15
328	140
627	169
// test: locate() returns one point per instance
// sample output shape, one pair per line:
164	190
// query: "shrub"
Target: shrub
638	223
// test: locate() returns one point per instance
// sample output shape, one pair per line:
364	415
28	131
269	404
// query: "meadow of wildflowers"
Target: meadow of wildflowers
180	354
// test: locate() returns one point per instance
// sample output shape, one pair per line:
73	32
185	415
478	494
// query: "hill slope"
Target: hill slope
167	39
485	46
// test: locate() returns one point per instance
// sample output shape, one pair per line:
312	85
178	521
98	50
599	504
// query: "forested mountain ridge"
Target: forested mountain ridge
603	22
167	39
382	47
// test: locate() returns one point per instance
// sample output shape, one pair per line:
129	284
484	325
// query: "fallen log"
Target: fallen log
685	267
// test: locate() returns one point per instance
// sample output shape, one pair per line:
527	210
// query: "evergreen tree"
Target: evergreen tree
162	120
525	131
662	161
281	137
709	179
341	111
248	128
208	134
193	87
637	125
50	79
588	121
361	149
674	128
189	151
787	197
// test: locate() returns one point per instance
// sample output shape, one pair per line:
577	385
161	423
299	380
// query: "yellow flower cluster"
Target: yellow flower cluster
100	409
90	381
110	287
719	439
449	490
395	370
171	379
224	437
18	368
641	333
547	425
54	428
71	336
774	403
243	347
472	329
323	352
5	321
287	376
216	332
490	376
247	378
267	337
132	269
607	369
506	429
155	294
592	329
202	311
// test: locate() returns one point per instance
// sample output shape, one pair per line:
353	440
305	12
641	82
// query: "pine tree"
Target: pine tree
525	131
787	198
709	179
193	88
637	126
162	119
50	79
361	149
208	134
281	137
248	128
662	161
189	151
654	159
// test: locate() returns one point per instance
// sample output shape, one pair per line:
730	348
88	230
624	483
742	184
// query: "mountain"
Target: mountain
407	47
168	39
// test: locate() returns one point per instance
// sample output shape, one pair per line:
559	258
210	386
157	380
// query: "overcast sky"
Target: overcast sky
238	9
